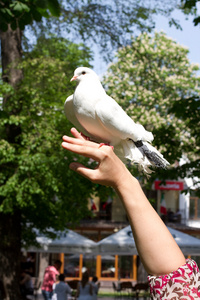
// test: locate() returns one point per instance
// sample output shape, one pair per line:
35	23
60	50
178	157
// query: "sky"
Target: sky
188	37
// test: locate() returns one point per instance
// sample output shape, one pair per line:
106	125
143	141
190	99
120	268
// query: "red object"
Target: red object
163	207
93	207
49	278
104	205
168	185
163	210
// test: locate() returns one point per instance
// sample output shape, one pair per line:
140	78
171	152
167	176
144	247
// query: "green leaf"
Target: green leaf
20	7
36	15
41	3
6	11
54	7
43	12
25	19
196	21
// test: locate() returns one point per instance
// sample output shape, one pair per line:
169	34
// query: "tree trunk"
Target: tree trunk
10	225
10	256
11	53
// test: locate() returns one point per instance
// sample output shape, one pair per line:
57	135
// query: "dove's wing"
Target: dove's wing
70	114
118	123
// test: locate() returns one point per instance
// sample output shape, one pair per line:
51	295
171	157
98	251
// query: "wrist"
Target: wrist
126	184
131	193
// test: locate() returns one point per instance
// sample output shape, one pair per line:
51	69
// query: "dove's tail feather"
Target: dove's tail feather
155	157
141	153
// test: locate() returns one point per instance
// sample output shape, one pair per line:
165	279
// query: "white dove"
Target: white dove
100	117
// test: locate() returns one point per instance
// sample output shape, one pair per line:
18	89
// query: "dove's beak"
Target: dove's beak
74	78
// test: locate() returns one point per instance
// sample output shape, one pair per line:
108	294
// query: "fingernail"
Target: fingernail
64	144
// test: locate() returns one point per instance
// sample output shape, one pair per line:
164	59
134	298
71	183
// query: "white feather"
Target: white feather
101	118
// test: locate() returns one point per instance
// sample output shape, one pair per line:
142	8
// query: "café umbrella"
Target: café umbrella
65	242
123	243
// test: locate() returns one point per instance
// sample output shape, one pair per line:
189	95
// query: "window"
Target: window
108	266
89	264
126	267
105	266
71	265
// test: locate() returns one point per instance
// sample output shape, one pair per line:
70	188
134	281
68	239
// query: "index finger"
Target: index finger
82	147
79	140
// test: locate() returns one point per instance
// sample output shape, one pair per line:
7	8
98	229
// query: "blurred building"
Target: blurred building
179	208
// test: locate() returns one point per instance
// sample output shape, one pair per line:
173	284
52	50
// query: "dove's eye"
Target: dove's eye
83	72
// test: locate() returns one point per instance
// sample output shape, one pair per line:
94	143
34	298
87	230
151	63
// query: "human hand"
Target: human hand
110	170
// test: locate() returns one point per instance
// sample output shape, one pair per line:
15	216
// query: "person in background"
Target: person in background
50	276
62	289
95	287
171	276
26	284
30	261
170	215
84	290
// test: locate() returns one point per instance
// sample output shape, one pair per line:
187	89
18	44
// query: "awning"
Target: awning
68	242
123	243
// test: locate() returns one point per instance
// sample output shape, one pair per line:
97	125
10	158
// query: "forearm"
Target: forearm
157	249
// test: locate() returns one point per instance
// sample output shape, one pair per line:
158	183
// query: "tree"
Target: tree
148	78
18	14
37	189
14	15
30	167
107	24
188	109
190	7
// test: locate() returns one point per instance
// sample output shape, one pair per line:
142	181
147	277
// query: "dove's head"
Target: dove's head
83	73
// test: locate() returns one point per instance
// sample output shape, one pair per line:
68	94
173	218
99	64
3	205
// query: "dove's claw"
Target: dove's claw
103	144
